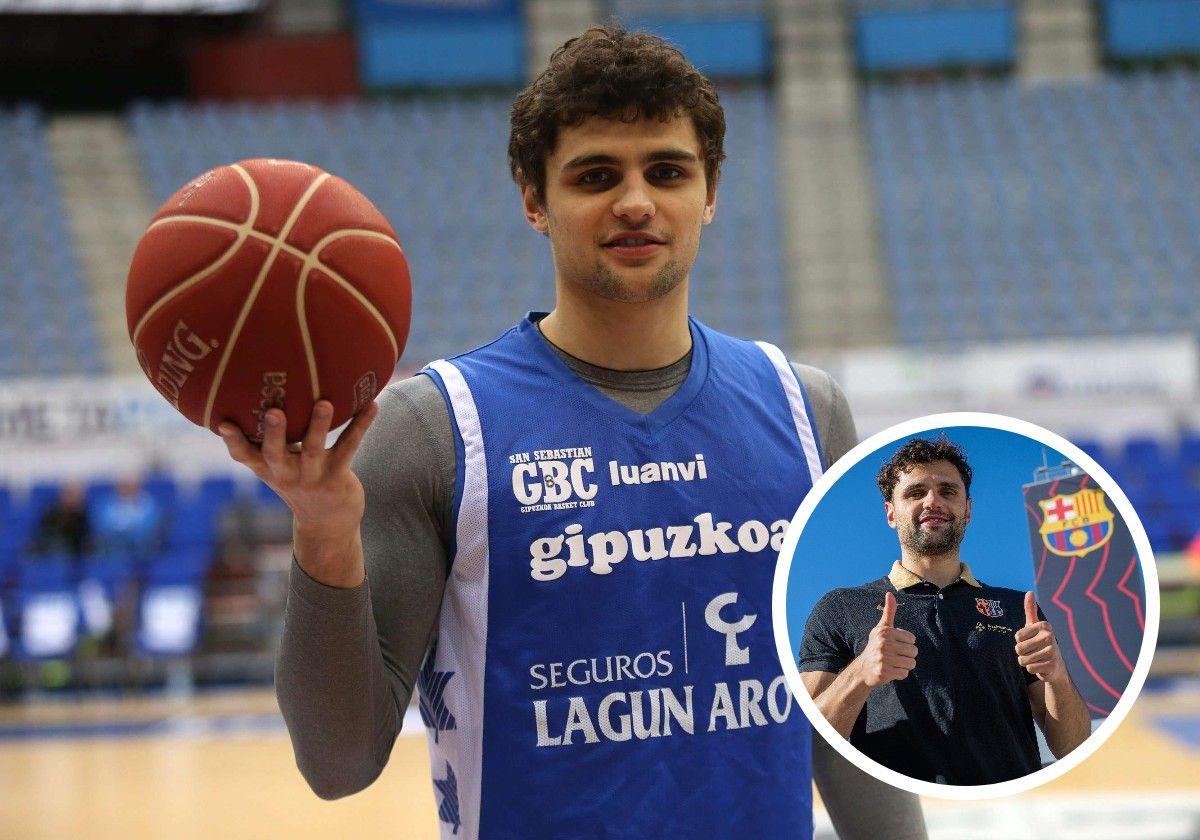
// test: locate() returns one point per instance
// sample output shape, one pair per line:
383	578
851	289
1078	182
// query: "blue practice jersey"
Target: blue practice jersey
605	663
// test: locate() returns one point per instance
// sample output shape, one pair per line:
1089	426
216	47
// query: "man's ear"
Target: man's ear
710	205
967	514
535	213
890	509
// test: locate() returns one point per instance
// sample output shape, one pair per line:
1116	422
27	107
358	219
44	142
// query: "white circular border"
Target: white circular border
924	424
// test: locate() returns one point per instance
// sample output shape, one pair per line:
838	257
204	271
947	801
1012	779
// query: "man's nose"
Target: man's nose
634	203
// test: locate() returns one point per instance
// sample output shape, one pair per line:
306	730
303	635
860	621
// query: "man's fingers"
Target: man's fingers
240	448
900	649
888	618
1031	616
1036	660
1040	641
312	453
1048	652
905	662
347	443
1026	633
274	446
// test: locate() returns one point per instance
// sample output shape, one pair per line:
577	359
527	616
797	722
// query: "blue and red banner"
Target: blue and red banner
1089	584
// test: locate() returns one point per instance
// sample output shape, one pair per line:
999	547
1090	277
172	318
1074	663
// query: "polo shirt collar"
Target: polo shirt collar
902	578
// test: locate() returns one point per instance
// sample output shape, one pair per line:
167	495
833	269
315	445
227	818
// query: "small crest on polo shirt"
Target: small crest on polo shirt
988	607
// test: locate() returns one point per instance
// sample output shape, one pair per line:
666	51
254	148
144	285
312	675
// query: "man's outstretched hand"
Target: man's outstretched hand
326	498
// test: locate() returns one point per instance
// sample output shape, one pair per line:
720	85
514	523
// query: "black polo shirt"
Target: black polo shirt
962	715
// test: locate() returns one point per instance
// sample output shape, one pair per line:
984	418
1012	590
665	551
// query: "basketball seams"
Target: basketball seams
243	231
311	259
254	290
305	337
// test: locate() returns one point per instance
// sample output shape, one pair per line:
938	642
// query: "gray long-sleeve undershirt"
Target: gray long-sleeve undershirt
349	658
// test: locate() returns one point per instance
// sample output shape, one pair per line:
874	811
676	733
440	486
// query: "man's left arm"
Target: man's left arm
859	805
1057	705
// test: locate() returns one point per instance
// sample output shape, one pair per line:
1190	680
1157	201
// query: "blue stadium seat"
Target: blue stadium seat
47	610
169	619
193	526
1189	450
170	605
1143	453
216	491
102	585
42	495
164	490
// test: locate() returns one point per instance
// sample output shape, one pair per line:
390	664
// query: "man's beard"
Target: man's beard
604	282
933	543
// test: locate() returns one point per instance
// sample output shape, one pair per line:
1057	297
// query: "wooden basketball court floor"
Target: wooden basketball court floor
220	766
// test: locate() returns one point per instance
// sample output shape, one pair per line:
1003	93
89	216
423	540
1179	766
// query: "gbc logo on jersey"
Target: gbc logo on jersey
554	479
562	479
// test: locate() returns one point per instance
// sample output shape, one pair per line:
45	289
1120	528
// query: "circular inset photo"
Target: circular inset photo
966	605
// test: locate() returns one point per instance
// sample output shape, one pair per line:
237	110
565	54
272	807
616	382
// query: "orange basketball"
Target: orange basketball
268	283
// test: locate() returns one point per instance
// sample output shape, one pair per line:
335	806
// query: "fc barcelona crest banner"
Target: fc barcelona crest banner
1075	523
1089	584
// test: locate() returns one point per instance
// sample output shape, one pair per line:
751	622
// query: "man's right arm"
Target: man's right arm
361	611
890	654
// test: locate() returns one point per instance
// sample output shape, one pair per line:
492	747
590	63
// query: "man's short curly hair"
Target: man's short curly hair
609	72
922	451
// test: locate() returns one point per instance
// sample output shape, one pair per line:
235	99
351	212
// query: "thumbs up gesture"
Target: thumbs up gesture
1037	649
890	652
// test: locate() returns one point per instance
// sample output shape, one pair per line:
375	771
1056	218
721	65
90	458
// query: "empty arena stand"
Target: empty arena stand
46	323
1014	212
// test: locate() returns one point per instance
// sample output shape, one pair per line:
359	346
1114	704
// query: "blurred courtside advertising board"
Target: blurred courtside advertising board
73	428
1046	518
1140	382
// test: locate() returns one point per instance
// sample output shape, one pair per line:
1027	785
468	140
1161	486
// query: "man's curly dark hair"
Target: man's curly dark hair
609	72
922	451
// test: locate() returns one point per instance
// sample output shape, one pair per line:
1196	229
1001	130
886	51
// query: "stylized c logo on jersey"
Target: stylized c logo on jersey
734	655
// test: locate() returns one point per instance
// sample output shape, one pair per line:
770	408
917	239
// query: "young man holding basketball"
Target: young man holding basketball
571	532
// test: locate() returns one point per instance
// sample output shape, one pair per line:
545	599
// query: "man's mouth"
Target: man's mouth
632	240
633	246
934	519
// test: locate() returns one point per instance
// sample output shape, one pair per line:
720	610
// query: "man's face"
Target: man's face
624	206
929	508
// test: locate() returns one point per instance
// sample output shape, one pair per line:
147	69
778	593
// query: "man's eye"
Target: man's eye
667	173
595	176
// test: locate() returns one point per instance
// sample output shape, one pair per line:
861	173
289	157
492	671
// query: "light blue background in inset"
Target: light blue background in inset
847	540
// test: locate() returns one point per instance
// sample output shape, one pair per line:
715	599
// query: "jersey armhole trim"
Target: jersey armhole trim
459	460
797	399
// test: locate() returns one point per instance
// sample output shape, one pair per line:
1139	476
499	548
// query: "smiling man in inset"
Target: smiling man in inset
927	670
